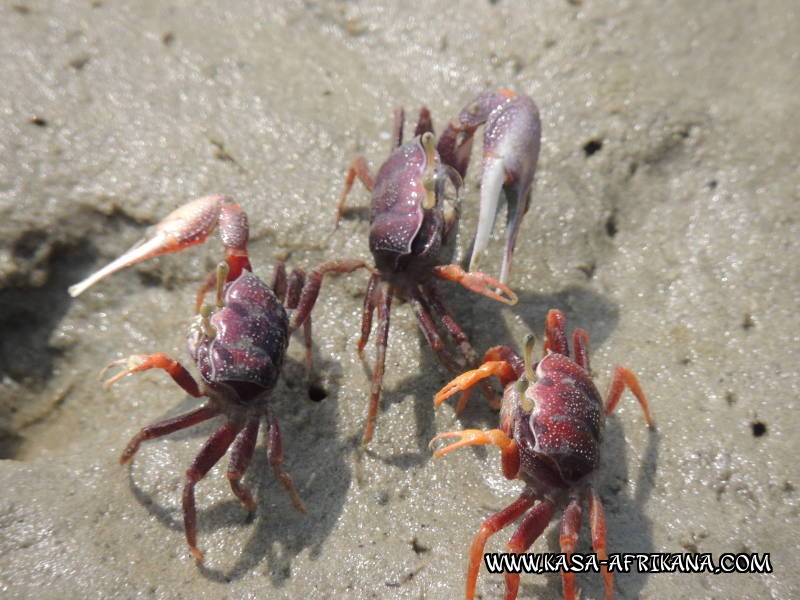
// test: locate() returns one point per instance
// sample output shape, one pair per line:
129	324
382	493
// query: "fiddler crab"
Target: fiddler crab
551	427
415	210
238	345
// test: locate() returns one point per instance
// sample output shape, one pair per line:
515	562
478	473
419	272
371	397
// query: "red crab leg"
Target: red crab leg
313	283
580	345
384	300
142	362
422	311
489	527
437	304
186	226
431	293
165	427
476	282
241	454
555	333
531	528
295	285
279	282
358	168
214	449
275	451
424	123
597	524
509	453
466	380
570	528
624	378
370	299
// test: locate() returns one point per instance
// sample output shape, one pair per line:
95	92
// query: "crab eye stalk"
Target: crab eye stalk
429	177
205	321
530	341
222	276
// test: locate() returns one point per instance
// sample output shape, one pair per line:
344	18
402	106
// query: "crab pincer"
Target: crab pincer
511	140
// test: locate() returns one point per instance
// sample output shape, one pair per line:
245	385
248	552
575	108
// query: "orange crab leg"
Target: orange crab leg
475	437
597	524
477	282
463	382
488	528
624	378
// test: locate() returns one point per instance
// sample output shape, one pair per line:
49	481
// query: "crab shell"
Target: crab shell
557	425
244	356
405	239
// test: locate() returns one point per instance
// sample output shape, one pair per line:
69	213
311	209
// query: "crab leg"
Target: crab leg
370	299
307	297
476	282
422	311
624	378
450	325
358	168
597	524
531	528
241	454
214	449
384	305
275	453
568	540
488	528
186	226
165	427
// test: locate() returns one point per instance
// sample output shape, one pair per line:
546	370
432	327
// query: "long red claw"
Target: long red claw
477	282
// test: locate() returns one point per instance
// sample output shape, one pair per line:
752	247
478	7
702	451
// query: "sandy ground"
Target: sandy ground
664	221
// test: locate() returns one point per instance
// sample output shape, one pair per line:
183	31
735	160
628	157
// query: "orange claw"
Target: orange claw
477	282
476	437
134	363
463	382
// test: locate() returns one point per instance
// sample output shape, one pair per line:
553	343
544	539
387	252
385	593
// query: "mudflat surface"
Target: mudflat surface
664	221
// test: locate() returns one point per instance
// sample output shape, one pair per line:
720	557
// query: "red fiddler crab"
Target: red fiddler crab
238	346
551	427
415	210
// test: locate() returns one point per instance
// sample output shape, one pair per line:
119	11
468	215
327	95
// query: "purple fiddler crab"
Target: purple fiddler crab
551	427
415	208
238	346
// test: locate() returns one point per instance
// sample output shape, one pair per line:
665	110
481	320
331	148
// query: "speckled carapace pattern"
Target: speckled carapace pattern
251	334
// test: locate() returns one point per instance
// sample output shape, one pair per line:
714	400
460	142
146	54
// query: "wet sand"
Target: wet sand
664	221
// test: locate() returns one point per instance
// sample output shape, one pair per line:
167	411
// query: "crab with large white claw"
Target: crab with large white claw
238	345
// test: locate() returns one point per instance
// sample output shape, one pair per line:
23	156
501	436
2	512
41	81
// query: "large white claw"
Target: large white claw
510	152
188	225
